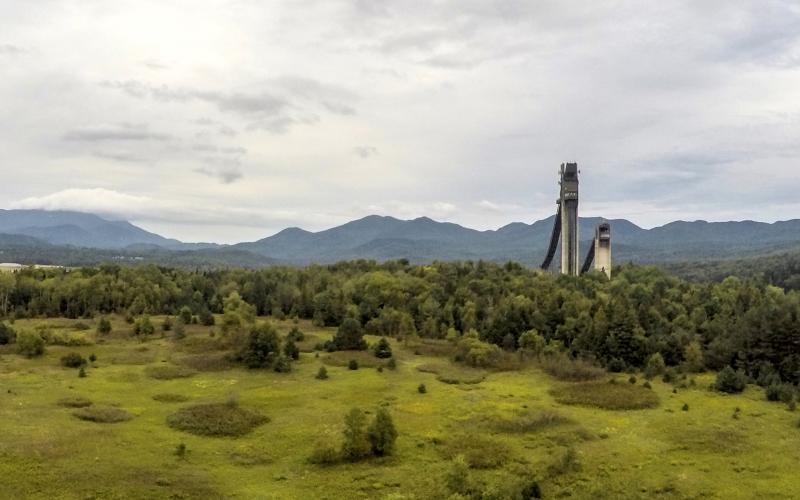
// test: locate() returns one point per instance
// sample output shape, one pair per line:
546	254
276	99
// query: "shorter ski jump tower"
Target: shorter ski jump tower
565	229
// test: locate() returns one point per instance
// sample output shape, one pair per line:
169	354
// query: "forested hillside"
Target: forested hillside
621	323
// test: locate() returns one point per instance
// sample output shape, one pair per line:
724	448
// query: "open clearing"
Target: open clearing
508	425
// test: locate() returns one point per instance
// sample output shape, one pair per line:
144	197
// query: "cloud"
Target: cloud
365	152
119	132
226	175
286	101
11	50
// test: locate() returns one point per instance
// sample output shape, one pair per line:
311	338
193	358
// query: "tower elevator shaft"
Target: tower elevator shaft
568	203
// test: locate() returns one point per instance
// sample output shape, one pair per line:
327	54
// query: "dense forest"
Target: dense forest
620	323
781	270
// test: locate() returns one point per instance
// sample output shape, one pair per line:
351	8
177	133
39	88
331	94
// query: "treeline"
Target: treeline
780	270
622	323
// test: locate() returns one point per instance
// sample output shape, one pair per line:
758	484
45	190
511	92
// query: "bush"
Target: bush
349	336
730	381
382	349
479	354
166	325
73	360
92	357
185	315
655	366
179	332
322	374
216	419
282	365
290	349
685	407
607	396
104	326
262	346
382	433
422	389
780	392
392	364
352	364
206	318
632	380
457	479
296	335
567	463
571	370
82	372
7	334
143	327
180	451
102	414
30	344
356	444
324	453
530	422
532	342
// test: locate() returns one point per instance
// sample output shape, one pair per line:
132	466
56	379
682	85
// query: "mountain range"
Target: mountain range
74	238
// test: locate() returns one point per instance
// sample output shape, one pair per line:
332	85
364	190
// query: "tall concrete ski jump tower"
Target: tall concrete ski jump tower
602	248
569	219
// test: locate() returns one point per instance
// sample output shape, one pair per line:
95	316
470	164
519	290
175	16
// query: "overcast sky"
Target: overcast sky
230	120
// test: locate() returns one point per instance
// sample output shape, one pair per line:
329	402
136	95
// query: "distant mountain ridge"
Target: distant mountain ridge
82	230
382	238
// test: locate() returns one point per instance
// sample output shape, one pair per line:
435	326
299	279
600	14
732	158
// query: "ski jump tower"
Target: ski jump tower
569	219
565	229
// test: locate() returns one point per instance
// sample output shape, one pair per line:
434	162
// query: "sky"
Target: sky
230	120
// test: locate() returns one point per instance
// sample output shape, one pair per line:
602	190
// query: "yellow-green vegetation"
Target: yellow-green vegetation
117	433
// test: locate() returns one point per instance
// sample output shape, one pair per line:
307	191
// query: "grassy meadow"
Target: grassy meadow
510	427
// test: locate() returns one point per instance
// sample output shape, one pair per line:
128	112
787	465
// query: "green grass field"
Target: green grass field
509	426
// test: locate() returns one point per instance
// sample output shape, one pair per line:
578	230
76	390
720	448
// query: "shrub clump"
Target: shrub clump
104	326
352	364
607	396
216	419
30	344
167	397
349	337
564	368
730	381
102	414
530	422
422	389
143	327
322	374
168	372
7	334
360	441
382	433
73	360
382	349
